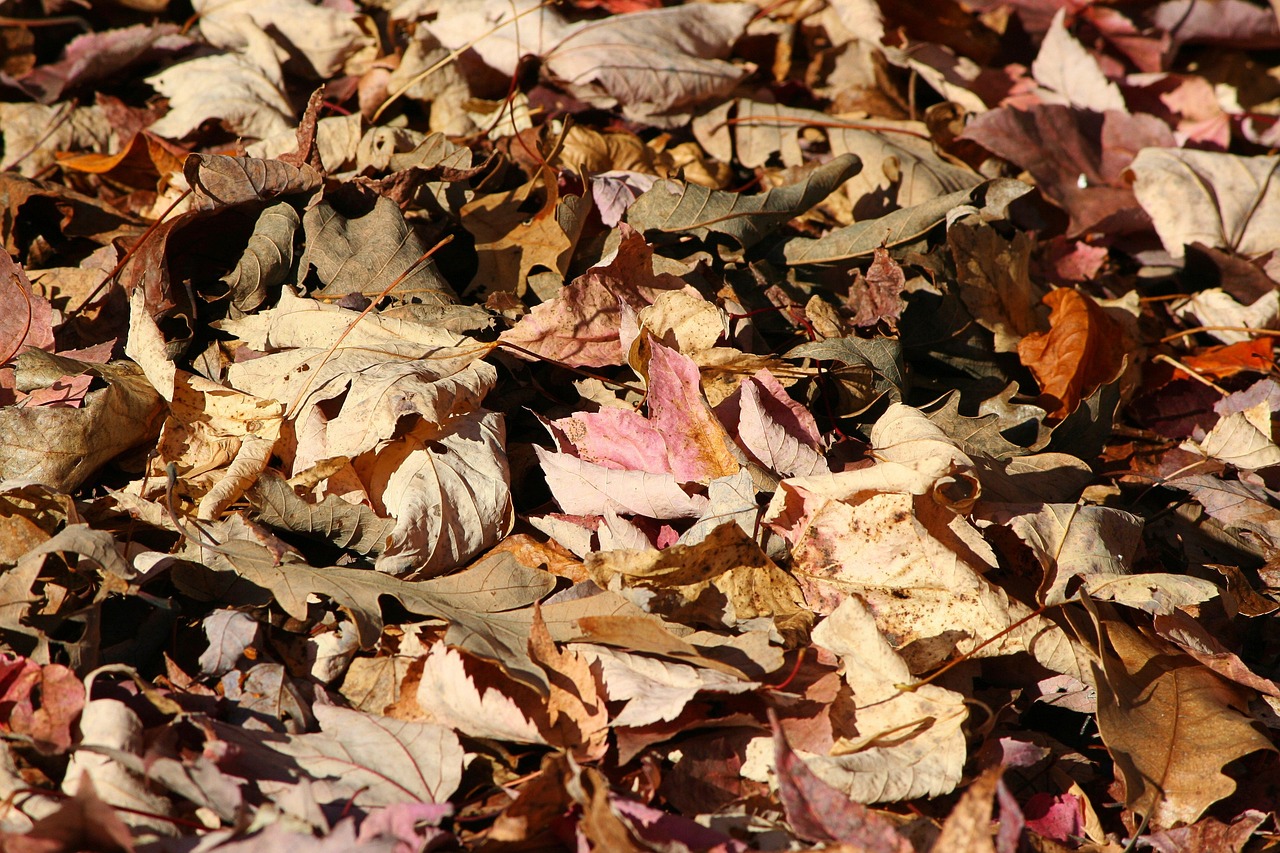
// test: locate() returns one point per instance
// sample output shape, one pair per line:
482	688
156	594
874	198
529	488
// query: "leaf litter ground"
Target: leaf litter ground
625	426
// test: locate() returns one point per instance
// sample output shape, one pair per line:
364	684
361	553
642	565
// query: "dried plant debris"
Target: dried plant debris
637	425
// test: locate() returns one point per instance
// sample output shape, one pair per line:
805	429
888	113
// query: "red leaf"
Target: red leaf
821	813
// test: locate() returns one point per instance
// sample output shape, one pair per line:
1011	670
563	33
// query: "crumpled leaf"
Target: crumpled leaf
40	702
1083	349
217	180
724	579
907	743
365	251
892	535
511	244
406	413
266	261
114	419
34	134
995	282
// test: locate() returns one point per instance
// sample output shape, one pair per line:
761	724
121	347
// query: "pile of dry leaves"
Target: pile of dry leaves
623	425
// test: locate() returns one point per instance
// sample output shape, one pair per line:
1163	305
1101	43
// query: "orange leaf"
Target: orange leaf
140	163
1217	362
1084	348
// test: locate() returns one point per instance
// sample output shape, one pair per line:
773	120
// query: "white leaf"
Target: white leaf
1064	66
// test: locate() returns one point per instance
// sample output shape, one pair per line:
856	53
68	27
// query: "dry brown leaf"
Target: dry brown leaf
576	716
722	580
968	827
1171	725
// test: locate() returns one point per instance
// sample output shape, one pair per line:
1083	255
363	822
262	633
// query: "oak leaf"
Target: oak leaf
1170	723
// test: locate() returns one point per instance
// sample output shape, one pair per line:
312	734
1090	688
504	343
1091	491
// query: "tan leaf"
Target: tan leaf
1222	200
1078	539
655	690
724	579
577	718
473	702
372	761
1170	723
329	38
890	533
511	243
1242	439
244	89
655	63
908	743
900	166
684	322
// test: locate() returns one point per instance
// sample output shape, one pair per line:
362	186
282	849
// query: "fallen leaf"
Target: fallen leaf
818	812
371	761
1072	73
1083	349
1221	200
907	743
245	90
674	208
657	64
1170	725
582	325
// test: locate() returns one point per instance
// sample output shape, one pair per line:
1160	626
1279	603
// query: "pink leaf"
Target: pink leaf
820	813
581	326
584	488
698	448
